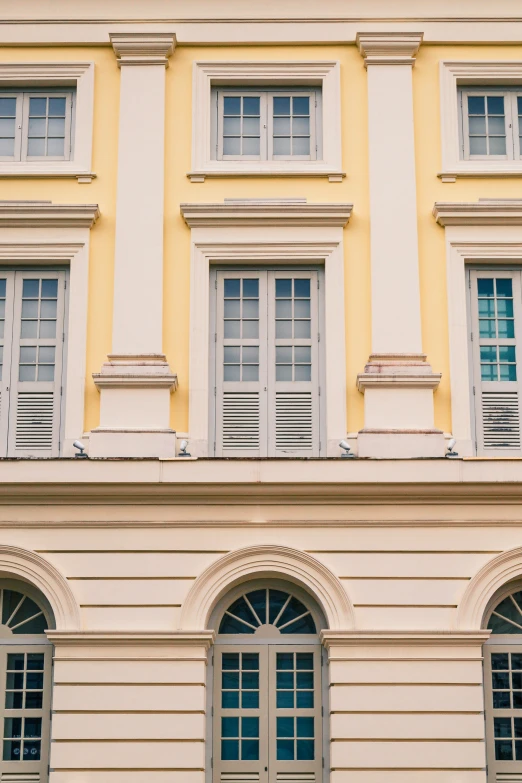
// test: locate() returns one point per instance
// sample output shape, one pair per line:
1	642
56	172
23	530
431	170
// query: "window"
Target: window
35	125
267	689
25	671
491	123
503	688
267	125
266	363
32	322
496	321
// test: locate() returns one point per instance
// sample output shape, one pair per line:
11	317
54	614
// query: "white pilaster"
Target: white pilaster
397	382
135	384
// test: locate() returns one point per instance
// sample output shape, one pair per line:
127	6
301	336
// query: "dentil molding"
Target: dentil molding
143	48
266	213
389	48
484	212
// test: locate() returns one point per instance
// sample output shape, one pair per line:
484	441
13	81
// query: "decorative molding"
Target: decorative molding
267	560
389	48
394	371
45	214
207	74
455	73
132	638
504	568
41	253
30	567
265	213
150	371
390	638
64	74
143	48
485	212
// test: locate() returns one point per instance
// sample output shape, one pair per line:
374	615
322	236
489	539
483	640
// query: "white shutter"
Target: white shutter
293	364
6	333
36	364
267	364
496	322
241	364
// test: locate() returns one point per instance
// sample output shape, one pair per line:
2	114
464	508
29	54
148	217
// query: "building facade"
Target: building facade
265	265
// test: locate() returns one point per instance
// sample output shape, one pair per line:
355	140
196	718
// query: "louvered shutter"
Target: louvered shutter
6	333
241	397
36	364
496	314
293	364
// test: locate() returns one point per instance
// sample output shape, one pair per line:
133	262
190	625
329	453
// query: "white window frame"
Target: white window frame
22	123
312	242
267	122
313	76
61	78
511	121
459	76
48	235
472	240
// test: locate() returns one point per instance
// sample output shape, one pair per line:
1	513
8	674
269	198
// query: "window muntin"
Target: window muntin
267	125
496	339
491	123
32	339
267	607
36	125
266	363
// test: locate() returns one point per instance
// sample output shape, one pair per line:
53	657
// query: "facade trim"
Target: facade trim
504	568
265	213
486	212
32	568
267	560
389	48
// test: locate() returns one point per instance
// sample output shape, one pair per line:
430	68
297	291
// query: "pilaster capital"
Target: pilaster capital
143	48
389	48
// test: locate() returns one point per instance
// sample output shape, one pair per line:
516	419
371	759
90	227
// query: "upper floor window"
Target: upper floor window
496	339
36	125
266	362
267	125
32	338
491	123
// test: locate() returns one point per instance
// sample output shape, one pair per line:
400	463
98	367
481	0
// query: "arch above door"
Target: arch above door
267	560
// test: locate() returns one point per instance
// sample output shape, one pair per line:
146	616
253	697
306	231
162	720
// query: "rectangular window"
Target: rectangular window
496	340
32	322
503	703
36	125
266	363
267	125
491	123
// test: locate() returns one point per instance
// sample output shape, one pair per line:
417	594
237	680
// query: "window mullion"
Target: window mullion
266	125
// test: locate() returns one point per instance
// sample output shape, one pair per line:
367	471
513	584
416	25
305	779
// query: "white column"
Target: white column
136	382
397	382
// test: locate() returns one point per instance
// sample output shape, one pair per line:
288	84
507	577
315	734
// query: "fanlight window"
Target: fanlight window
21	614
507	615
270	608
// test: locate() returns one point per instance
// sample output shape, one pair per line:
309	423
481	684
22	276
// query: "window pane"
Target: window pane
57	107
231	145
282	146
55	147
478	145
284	288
232	105
503	750
232	354
301	126
283	372
251	126
233	288
497	145
250	372
230	727
477	126
37	107
303	372
495	104
6	148
497	126
251	106
281	106
36	147
37	127
281	126
301	105
251	145
230	750
301	145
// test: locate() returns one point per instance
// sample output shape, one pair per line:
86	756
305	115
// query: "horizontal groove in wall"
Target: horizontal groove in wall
477	659
131	606
130	684
150	658
404	606
405	684
407	769
132	551
130	578
407	712
133	712
404	739
402	551
128	769
125	741
403	578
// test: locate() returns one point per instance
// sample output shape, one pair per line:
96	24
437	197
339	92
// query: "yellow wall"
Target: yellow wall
432	252
179	189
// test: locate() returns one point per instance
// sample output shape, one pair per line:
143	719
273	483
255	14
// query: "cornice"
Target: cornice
486	212
143	48
389	48
131	639
144	371
397	381
388	638
265	213
45	214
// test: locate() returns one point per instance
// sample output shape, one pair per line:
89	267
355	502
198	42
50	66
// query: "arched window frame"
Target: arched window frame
500	644
240	640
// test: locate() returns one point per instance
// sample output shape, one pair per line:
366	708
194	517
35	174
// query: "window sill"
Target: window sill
478	172
272	171
32	171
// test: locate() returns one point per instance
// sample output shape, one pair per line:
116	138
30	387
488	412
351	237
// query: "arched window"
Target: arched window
503	686
25	672
267	695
